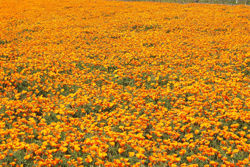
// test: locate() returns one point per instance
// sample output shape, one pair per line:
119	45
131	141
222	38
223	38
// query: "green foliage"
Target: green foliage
246	70
139	28
50	118
126	81
2	42
19	155
67	89
23	86
80	66
148	45
113	153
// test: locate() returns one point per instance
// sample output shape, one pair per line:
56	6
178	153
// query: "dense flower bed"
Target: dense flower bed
105	83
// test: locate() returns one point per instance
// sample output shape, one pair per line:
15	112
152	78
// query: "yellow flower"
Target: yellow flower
131	154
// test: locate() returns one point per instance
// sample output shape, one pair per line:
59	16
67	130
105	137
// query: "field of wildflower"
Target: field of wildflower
111	83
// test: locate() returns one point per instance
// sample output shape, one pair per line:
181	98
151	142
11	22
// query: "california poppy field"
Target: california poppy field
111	83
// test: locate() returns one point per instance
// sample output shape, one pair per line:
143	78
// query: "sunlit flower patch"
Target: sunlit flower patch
111	83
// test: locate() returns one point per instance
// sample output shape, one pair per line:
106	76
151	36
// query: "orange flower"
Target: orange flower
63	149
27	157
77	148
122	143
190	159
12	163
88	159
120	150
79	159
183	151
131	154
67	156
214	163
141	156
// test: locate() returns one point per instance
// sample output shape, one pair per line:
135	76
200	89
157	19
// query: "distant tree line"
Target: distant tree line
233	2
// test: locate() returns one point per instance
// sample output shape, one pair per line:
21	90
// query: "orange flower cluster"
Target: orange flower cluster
111	83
